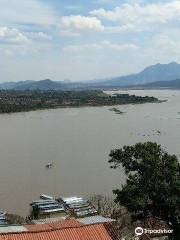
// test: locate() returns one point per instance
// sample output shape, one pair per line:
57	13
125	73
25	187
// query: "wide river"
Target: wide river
77	141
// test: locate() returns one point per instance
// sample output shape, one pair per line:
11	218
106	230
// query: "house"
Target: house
65	230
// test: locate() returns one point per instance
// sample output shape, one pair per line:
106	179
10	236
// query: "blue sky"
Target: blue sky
83	40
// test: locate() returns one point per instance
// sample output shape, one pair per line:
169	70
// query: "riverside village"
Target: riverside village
66	218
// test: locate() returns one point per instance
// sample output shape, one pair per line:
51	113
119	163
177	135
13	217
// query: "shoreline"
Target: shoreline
25	101
82	106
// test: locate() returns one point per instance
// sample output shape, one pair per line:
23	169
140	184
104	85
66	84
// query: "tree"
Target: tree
153	180
35	212
104	204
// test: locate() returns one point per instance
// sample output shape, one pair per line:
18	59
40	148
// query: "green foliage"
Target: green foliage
35	212
153	178
15	219
18	101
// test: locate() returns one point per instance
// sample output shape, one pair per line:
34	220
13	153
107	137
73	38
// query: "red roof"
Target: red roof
53	225
84	232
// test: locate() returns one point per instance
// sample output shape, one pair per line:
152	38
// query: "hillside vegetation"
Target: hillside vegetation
18	101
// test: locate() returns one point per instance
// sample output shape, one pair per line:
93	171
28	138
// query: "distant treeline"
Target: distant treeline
20	101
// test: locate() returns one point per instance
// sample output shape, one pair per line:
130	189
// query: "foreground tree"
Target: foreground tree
153	181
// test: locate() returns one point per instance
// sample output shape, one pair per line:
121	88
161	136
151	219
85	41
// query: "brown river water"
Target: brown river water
77	141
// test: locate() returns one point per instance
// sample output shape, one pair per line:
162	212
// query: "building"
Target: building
65	230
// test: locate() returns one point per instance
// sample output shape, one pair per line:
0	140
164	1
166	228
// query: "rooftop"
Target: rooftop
48	220
94	219
84	232
12	228
53	225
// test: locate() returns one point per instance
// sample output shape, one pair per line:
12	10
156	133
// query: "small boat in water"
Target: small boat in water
49	165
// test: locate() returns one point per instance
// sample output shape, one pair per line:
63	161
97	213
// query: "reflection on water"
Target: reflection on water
77	141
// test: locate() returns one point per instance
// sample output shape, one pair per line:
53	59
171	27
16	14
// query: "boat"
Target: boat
3	220
50	206
46	197
49	165
2	213
42	202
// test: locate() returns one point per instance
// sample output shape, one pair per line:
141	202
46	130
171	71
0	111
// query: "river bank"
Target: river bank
25	101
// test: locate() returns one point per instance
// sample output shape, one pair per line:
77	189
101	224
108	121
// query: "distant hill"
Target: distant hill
158	72
175	84
154	73
46	84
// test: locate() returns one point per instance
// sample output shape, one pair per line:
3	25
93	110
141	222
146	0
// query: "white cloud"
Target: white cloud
69	33
140	15
16	37
78	22
105	1
14	42
166	44
162	47
77	48
99	46
12	36
124	28
73	7
35	29
8	52
30	11
39	36
119	47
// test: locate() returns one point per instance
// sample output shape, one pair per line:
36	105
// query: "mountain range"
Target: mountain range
163	74
174	84
158	72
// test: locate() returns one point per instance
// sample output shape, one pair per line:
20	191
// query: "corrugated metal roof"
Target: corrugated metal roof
85	232
48	220
6	229
94	219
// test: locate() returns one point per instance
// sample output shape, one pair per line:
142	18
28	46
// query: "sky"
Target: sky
85	39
